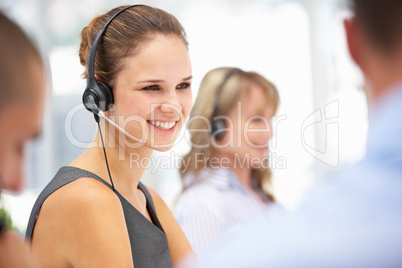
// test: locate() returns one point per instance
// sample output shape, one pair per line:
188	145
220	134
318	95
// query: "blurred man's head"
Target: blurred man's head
375	42
22	91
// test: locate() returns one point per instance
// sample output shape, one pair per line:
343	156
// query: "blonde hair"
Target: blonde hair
230	93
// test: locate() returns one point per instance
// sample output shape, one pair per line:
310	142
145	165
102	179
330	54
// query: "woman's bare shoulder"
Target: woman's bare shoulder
80	221
80	195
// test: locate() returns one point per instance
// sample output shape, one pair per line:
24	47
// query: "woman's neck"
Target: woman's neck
244	177
126	164
243	173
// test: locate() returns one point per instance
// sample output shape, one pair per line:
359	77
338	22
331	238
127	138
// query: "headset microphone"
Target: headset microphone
91	104
101	114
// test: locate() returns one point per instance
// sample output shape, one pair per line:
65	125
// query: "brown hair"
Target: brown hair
16	53
231	92
130	29
382	22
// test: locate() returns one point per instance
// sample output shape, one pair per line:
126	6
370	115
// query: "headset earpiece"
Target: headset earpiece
108	93
102	96
218	128
218	125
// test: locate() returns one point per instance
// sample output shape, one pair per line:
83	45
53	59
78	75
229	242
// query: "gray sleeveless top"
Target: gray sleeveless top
149	244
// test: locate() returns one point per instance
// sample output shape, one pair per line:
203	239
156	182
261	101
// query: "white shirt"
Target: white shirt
215	205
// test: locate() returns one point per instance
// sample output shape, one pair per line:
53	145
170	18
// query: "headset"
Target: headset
218	125
98	97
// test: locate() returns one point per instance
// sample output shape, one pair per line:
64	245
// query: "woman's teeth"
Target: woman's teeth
163	125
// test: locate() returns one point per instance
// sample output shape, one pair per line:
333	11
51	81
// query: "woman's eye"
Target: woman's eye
183	86
153	87
261	120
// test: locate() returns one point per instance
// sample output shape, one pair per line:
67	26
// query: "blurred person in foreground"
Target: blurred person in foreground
354	218
226	173
22	85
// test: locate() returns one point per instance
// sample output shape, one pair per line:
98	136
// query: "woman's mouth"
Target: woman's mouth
163	125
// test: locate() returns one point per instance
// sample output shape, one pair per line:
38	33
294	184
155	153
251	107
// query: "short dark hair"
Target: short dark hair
382	22
16	49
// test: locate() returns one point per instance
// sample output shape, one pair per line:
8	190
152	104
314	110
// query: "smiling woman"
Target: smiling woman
226	172
158	77
143	58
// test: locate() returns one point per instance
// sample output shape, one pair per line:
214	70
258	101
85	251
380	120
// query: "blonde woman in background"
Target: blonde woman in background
226	173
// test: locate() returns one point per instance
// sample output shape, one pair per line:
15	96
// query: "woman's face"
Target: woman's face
250	129
153	92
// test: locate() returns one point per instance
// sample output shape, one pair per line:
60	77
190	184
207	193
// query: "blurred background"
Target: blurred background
299	45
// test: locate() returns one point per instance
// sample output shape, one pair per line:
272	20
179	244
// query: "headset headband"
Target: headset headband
220	88
92	52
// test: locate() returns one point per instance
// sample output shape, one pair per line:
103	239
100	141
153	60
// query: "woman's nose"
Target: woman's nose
171	104
170	108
